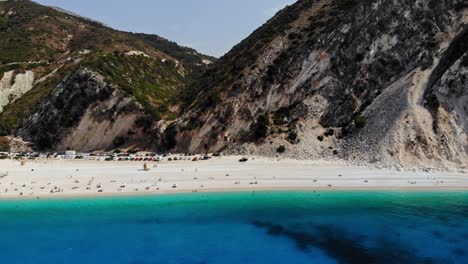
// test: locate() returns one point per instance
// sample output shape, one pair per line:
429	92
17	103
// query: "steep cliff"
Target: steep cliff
372	80
83	112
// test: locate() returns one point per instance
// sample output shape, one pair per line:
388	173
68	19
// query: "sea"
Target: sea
355	227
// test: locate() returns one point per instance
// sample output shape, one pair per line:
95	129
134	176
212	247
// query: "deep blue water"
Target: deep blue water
261	227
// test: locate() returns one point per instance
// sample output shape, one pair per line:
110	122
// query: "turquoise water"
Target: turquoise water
261	227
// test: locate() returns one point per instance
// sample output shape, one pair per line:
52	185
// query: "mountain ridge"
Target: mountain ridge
40	48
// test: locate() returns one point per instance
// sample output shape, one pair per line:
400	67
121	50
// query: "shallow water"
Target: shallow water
261	227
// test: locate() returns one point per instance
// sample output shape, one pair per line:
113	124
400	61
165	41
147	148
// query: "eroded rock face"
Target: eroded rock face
421	118
83	113
334	61
453	93
14	85
101	124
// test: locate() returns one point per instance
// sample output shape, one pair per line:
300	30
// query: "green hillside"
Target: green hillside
54	44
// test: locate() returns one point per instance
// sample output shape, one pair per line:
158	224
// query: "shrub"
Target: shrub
144	122
330	132
171	117
119	141
132	151
170	136
281	149
3	132
294	35
211	99
360	122
433	102
4	145
320	138
44	142
292	136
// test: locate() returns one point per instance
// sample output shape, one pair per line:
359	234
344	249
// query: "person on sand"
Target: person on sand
145	167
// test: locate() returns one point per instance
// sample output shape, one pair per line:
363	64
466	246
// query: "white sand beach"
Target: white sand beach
44	178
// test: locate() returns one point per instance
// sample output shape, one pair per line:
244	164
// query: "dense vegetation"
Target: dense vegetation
31	32
17	29
152	82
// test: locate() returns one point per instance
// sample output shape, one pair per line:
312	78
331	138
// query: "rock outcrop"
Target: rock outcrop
13	85
83	112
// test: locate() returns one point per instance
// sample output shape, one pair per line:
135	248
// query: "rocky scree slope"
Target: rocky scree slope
375	81
55	66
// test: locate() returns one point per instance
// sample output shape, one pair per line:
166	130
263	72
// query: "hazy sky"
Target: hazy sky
210	26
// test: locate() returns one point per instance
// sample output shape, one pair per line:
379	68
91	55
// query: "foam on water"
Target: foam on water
261	227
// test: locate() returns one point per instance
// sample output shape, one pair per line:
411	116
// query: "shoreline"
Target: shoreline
62	179
65	197
229	191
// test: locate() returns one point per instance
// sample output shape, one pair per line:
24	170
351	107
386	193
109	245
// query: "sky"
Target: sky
210	26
